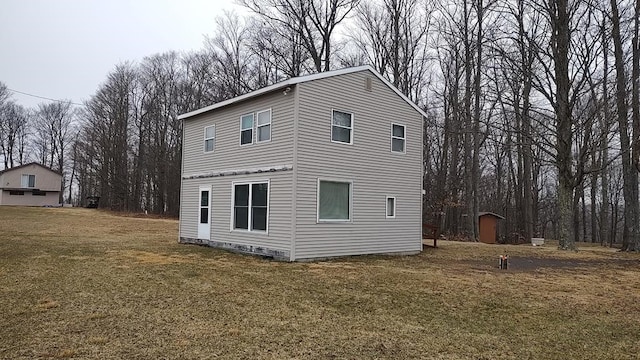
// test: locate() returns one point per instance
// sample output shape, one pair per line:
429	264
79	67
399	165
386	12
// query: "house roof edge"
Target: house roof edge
28	164
298	80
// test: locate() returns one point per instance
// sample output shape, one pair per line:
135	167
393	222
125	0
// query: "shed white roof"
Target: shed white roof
298	80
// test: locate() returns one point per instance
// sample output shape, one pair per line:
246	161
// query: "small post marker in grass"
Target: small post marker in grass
503	263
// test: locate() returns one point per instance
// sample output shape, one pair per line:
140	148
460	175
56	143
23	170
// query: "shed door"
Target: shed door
488	229
204	213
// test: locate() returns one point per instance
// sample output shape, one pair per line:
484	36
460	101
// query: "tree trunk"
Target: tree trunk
527	57
604	145
593	217
576	213
634	243
629	173
564	122
475	170
468	128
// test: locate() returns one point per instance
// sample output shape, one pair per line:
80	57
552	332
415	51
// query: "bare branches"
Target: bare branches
14	120
312	22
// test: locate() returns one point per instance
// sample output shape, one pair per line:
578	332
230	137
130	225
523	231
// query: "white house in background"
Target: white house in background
30	185
316	166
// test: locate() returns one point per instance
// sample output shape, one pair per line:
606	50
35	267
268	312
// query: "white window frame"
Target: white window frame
213	138
386	207
204	228
253	127
258	126
24	184
200	206
350	182
250	219
352	128
404	148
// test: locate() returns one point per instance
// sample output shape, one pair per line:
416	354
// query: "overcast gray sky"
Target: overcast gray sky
63	49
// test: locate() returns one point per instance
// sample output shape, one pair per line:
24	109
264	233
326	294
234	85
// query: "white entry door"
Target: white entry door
204	213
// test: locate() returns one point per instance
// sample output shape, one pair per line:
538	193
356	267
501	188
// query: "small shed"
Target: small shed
488	226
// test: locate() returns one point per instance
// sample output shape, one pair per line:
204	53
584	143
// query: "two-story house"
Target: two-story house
30	185
317	166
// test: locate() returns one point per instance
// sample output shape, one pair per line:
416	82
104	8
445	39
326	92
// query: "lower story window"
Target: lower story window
334	200
16	192
251	206
39	193
204	206
391	207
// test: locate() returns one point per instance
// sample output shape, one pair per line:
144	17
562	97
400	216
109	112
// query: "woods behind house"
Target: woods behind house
533	107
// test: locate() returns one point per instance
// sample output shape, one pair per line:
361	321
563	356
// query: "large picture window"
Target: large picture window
209	138
342	127
246	129
28	181
334	200
251	206
398	138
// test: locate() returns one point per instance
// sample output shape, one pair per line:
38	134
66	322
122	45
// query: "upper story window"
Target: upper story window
258	122
246	129
28	181
209	138
398	138
342	127
263	131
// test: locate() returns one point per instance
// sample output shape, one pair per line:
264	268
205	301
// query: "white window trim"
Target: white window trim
386	207
204	144
253	129
233	197
404	148
318	220
352	128
259	126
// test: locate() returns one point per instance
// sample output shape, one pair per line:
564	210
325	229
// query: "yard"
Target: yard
87	284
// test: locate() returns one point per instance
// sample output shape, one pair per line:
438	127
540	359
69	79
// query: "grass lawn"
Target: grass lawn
87	284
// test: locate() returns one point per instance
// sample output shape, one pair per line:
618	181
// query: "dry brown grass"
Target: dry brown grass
86	284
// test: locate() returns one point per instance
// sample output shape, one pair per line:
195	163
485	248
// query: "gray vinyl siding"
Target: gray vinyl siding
228	154
368	163
278	236
375	171
189	208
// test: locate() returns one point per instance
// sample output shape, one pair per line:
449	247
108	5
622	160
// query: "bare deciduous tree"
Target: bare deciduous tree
13	124
314	21
55	122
